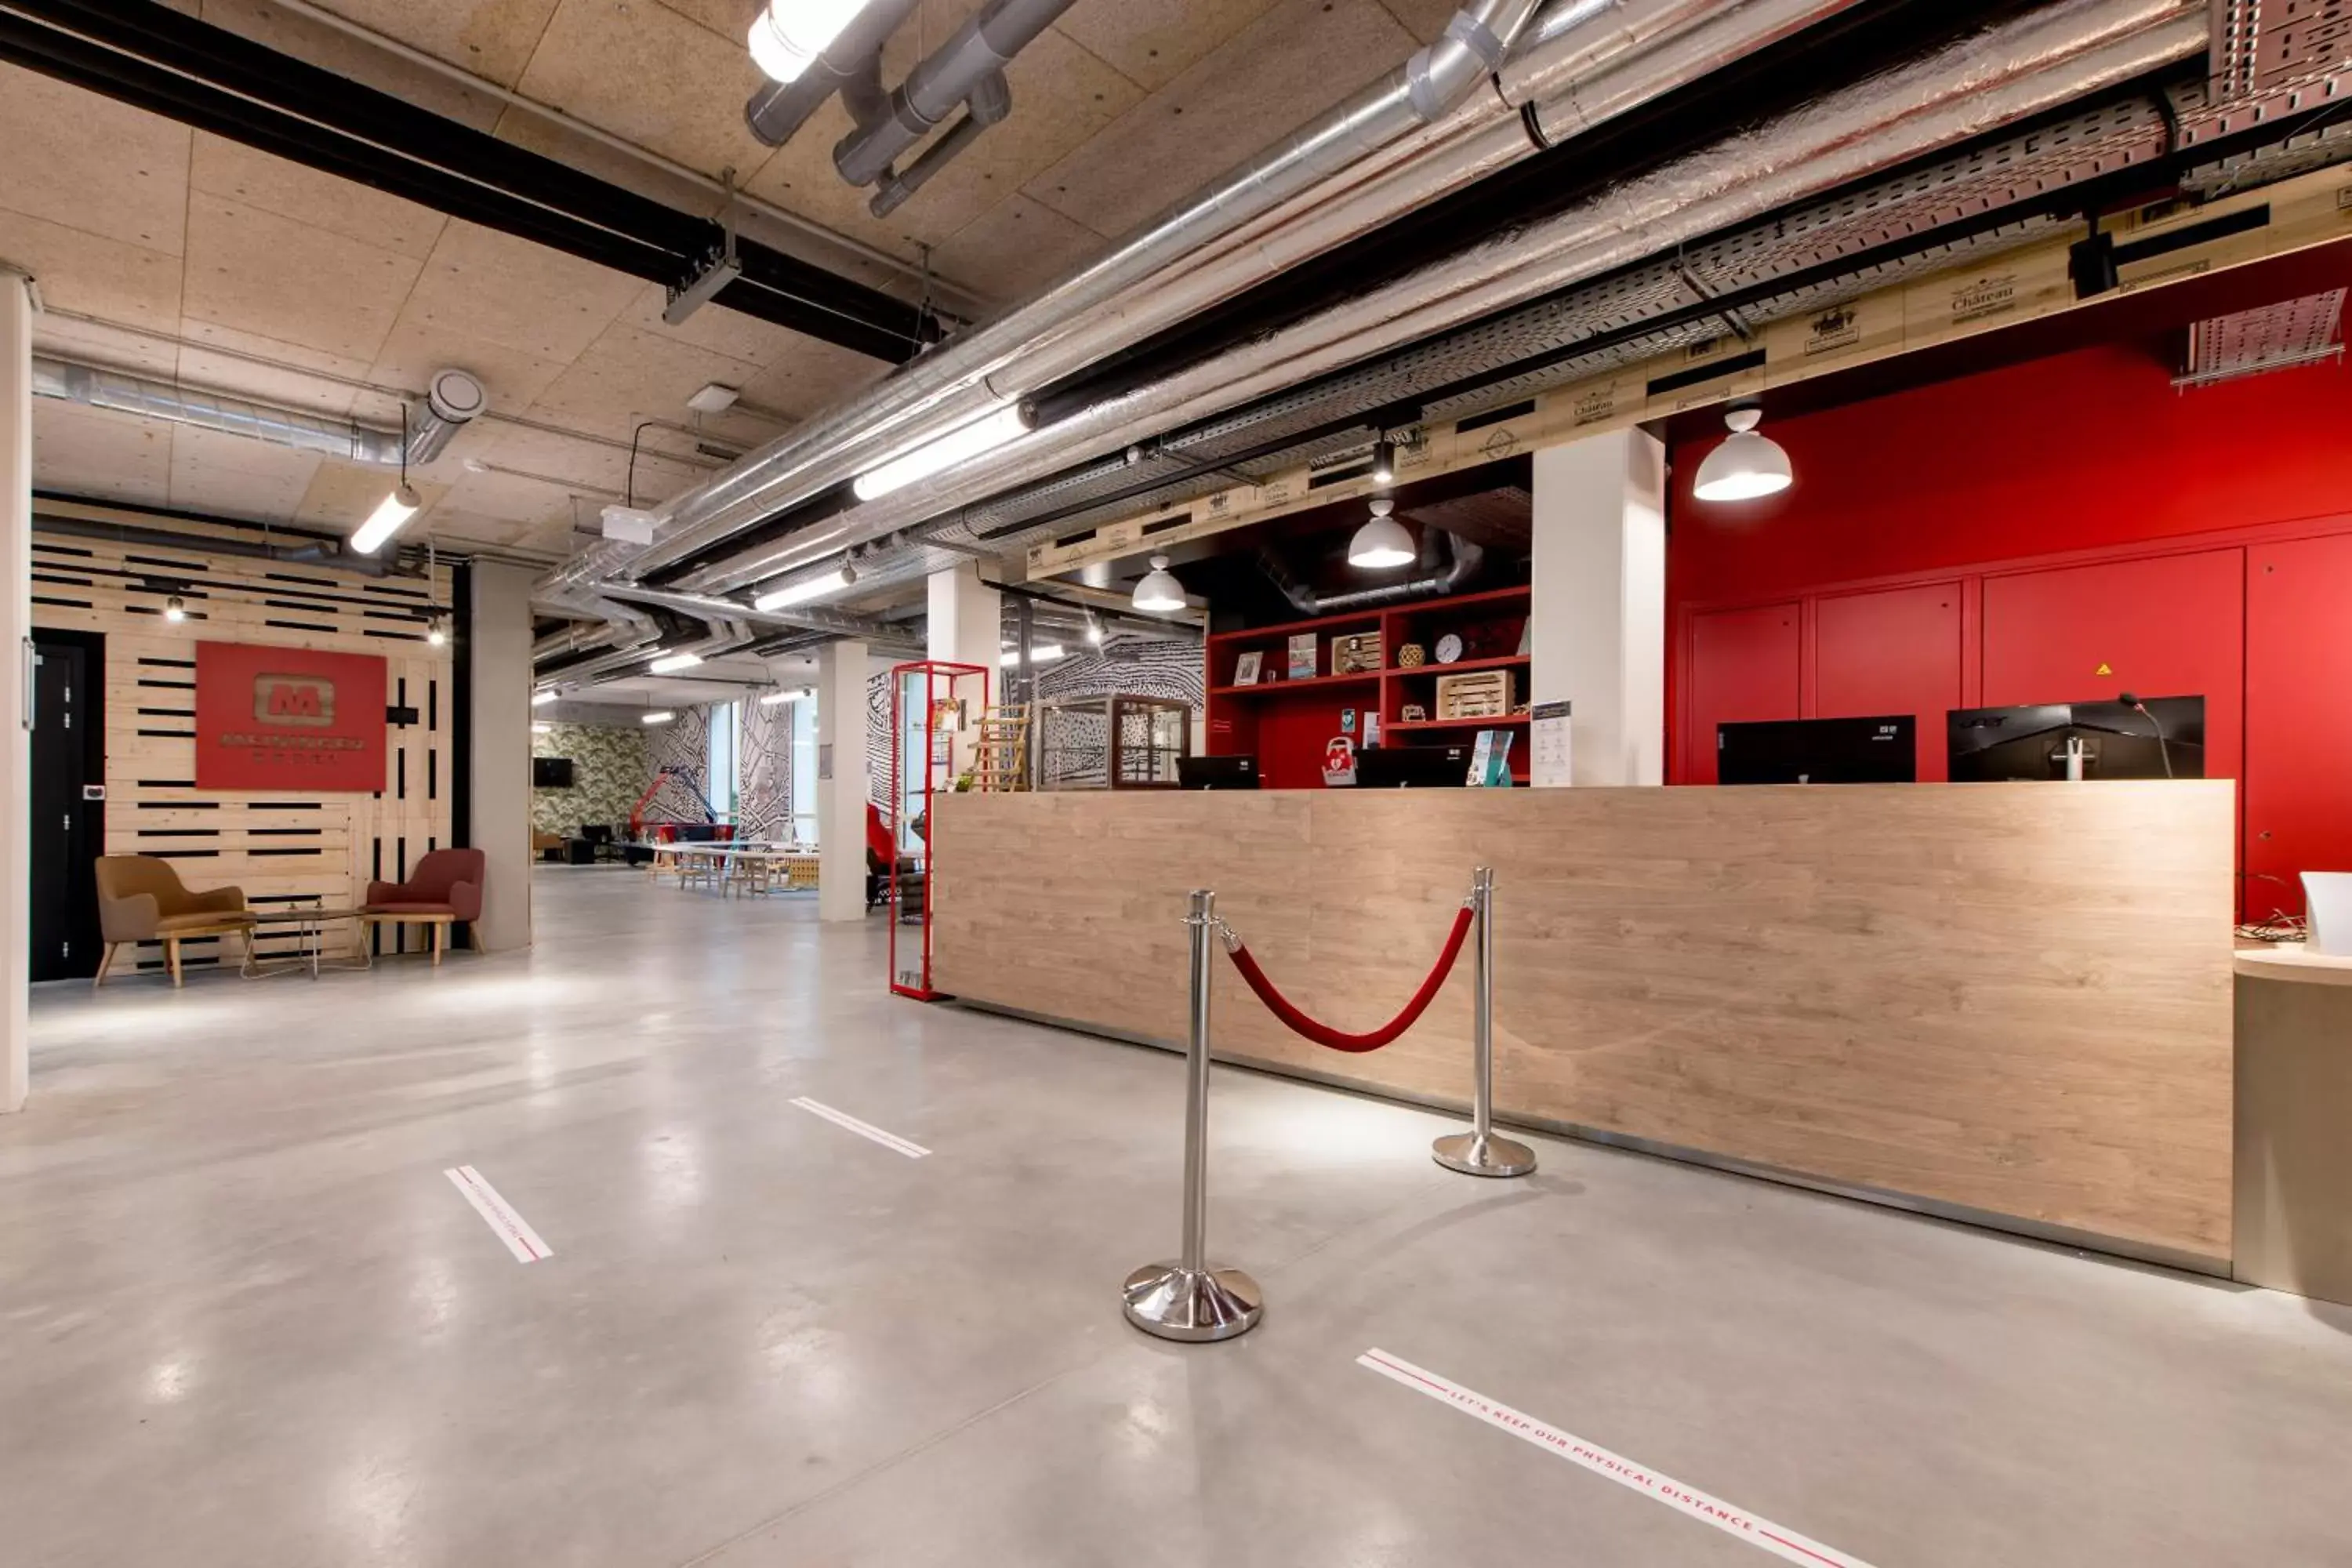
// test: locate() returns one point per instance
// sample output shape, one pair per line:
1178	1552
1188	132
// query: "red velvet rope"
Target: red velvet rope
1323	1034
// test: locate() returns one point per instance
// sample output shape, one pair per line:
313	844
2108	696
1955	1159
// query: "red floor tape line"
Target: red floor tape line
1757	1532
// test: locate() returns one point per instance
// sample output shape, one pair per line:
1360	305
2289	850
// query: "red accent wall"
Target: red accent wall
2001	538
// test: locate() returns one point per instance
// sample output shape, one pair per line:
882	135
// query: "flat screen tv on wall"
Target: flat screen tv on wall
551	772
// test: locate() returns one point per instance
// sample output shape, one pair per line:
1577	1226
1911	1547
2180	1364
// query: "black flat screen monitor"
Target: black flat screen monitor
1216	773
2117	743
1413	767
551	772
1884	749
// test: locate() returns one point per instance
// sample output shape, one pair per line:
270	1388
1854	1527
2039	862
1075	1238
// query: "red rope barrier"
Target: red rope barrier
1323	1034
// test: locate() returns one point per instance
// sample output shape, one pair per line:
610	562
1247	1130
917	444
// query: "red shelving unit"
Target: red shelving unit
1288	724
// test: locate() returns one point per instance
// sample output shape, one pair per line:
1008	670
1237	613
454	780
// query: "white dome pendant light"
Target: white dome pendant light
1382	542
1746	465
1160	592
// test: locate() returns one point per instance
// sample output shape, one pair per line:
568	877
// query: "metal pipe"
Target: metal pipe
1478	1152
97	386
946	386
989	102
980	49
833	623
1996	77
777	111
1202	921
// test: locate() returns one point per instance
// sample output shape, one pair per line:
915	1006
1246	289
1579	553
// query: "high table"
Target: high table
2009	1003
2295	1121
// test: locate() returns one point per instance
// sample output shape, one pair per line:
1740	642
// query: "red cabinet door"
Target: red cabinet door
2298	789
1897	651
2171	626
1743	667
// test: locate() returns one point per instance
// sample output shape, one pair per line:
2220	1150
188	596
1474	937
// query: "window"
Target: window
725	719
804	743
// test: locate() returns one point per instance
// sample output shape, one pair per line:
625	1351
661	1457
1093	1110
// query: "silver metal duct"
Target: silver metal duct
781	108
453	400
1465	560
830	623
96	386
980	49
946	386
2000	75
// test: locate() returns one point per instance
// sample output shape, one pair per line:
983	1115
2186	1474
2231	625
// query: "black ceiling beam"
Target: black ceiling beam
156	59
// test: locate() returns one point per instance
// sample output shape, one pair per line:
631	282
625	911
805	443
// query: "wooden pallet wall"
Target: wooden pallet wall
281	848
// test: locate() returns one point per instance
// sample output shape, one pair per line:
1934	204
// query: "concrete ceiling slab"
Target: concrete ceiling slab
628	374
417	347
95	344
1018	247
340	496
232	170
812	376
1299	59
90	163
96	452
1425	19
645	72
488	285
223	357
233	476
92	274
417	23
492	38
258	272
1151	42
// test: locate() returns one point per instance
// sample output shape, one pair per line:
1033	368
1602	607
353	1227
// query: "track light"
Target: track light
1382	542
960	444
175	608
390	515
788	33
542	697
1158	593
658	716
669	663
1746	465
807	588
797	694
1383	461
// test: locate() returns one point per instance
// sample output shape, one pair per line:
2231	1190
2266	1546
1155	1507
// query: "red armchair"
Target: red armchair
445	887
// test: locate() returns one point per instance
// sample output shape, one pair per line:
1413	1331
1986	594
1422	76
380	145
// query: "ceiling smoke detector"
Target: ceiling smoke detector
713	399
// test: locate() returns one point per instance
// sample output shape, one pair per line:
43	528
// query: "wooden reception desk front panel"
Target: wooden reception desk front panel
2008	999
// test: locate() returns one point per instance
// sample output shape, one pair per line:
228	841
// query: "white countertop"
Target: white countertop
2294	960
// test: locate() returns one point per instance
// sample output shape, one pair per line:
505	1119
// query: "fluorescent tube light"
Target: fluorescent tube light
788	33
1039	653
797	694
390	515
960	444
658	716
541	698
807	588
668	662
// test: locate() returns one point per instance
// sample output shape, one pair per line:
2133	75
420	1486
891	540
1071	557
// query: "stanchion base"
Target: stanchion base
1177	1303
1489	1156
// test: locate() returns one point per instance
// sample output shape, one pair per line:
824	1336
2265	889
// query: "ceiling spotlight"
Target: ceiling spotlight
1039	653
1158	593
807	588
669	663
175	608
658	716
390	515
1093	628
795	694
1382	542
1384	462
437	631
1746	465
542	697
960	444
788	33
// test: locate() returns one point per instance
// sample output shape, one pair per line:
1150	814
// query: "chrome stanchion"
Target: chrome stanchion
1188	1300
1478	1152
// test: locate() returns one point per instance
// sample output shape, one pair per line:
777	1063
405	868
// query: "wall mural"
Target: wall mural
682	743
609	768
764	768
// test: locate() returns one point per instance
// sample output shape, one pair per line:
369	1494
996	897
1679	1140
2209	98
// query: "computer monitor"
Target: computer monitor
2117	741
1216	773
1413	767
1884	749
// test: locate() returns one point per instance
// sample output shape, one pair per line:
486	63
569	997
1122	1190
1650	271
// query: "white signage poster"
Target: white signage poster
1547	754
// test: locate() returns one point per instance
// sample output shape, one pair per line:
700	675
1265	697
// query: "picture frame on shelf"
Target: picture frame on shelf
1358	653
1302	656
1246	667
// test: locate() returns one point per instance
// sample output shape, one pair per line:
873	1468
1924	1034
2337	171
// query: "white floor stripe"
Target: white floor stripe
863	1130
1759	1532
520	1239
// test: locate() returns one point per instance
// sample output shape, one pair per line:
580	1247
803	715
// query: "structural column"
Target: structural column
16	630
842	787
964	627
1600	602
498	794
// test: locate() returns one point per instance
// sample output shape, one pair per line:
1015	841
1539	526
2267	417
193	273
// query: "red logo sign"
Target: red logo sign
288	719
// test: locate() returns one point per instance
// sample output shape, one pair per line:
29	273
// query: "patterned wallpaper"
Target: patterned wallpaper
609	767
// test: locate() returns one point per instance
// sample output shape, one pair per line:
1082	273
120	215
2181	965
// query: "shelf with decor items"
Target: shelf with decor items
1287	724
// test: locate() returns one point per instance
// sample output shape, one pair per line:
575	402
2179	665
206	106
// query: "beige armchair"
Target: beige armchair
140	899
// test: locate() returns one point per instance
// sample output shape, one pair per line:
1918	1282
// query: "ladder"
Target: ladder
1000	757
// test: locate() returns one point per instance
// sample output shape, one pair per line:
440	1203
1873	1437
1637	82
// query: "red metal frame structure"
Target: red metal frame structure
940	702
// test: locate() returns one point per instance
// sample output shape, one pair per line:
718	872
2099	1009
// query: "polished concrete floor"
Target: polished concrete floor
249	1321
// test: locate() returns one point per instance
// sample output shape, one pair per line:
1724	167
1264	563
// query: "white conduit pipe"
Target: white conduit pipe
2005	74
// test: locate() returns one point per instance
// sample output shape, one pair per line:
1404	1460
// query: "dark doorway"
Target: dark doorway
69	801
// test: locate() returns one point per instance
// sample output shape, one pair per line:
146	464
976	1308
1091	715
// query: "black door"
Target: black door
68	753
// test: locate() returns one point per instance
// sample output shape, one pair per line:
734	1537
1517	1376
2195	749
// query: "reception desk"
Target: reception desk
2007	1003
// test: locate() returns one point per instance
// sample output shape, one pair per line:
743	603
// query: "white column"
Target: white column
965	626
841	790
16	627
498	797
1599	601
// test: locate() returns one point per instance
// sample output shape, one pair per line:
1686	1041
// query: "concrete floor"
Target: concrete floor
248	1321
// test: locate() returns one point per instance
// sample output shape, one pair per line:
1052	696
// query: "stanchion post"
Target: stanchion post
1478	1152
1188	1298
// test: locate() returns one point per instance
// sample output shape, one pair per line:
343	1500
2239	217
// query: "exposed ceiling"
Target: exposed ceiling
186	256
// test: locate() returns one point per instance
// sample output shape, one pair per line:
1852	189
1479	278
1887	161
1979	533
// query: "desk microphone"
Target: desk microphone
2163	746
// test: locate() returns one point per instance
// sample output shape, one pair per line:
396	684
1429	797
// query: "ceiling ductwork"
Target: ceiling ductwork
96	386
453	400
1433	581
979	51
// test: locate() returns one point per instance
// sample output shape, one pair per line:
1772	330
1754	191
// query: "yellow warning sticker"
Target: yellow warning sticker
2105	669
